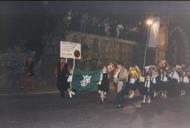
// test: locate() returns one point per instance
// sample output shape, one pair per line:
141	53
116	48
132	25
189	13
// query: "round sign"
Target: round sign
77	53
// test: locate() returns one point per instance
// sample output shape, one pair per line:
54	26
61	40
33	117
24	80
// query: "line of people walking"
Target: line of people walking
161	80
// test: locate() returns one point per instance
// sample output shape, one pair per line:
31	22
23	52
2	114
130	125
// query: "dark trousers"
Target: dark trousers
120	97
130	87
173	88
61	89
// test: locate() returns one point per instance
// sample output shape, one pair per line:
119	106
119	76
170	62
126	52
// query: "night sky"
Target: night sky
110	7
26	20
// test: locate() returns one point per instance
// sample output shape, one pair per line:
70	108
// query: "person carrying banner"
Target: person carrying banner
85	81
62	74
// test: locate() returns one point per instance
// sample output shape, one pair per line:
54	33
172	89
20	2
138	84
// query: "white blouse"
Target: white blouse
184	79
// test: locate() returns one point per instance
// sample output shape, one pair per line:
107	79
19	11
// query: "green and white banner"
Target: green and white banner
85	81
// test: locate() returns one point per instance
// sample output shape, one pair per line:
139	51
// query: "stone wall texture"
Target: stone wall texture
96	51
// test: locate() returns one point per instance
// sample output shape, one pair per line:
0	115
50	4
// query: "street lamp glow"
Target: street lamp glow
149	22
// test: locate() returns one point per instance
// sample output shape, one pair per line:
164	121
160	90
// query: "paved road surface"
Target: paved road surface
51	111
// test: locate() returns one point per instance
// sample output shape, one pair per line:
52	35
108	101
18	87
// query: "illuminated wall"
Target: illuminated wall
163	41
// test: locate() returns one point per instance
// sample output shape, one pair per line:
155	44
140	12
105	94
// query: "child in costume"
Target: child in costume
103	85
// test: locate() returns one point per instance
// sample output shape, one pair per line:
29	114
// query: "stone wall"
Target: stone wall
12	67
97	51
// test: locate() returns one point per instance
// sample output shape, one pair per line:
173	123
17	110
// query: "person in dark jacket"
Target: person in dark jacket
62	74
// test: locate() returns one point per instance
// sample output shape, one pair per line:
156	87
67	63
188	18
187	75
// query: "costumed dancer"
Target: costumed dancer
120	78
133	80
184	84
155	80
103	85
173	86
164	83
147	84
131	85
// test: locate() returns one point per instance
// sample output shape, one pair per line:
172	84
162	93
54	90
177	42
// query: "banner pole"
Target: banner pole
72	71
66	60
73	63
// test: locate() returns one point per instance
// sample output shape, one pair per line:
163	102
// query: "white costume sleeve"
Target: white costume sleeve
186	80
153	79
116	76
100	80
147	83
132	80
175	75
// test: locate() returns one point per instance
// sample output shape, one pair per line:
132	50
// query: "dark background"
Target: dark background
29	20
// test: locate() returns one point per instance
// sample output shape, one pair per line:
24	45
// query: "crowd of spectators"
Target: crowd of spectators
117	27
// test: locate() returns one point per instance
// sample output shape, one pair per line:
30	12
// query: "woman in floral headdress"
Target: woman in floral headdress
120	78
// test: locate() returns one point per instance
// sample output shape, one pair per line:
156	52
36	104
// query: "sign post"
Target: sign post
66	60
70	50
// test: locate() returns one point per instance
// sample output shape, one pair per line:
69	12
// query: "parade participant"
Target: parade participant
134	74
187	70
147	84
120	77
131	85
184	84
140	84
173	86
146	96
28	73
155	80
69	80
164	84
62	74
163	64
103	85
174	75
